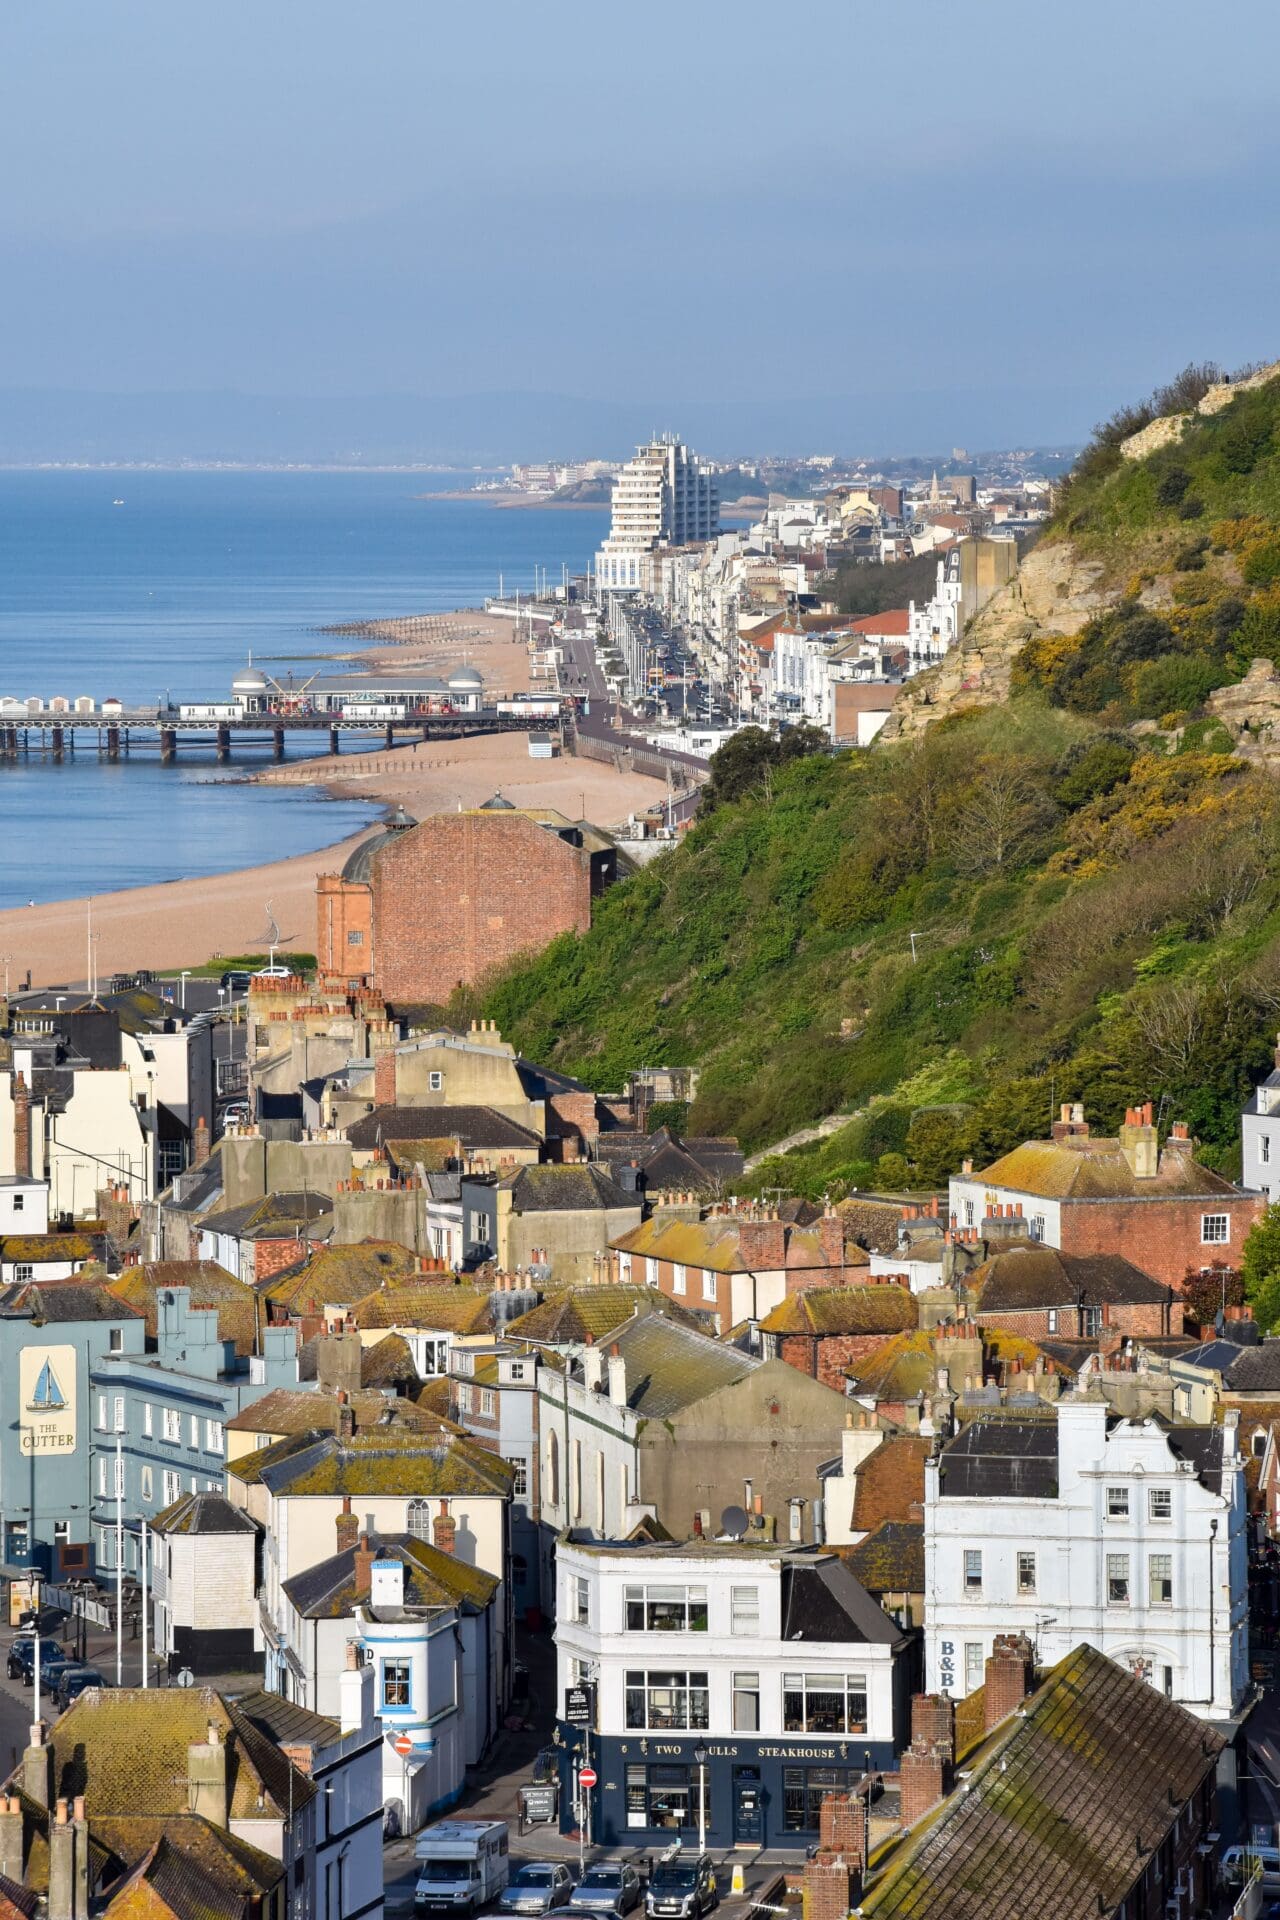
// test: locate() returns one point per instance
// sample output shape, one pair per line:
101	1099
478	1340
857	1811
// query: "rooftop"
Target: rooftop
891	1558
433	1578
835	1310
401	1463
1029	1277
1081	1167
474	1126
209	1284
578	1187
890	1482
202	1513
591	1313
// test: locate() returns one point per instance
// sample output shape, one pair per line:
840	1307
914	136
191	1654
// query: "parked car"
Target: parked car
682	1888
538	1888
72	1682
607	1889
237	979
22	1660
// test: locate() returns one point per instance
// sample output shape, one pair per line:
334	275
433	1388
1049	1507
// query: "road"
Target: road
580	672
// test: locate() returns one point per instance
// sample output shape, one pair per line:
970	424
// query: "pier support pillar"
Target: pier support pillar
222	741
390	736
333	740
113	743
57	743
277	743
168	745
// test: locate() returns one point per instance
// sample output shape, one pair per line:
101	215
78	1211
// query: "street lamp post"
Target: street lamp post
700	1761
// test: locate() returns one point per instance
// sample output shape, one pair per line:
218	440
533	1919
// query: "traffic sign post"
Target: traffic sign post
403	1745
587	1777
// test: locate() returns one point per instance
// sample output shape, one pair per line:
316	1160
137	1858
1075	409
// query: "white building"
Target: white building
1260	1137
1072	1525
766	1674
934	626
24	1205
664	497
203	1581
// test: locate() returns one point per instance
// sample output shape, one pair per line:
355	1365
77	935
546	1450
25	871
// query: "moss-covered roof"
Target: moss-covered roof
44	1248
433	1578
570	1318
1084	1168
239	1310
184	1866
1063	1809
891	1558
201	1513
903	1367
834	1310
715	1243
440	1306
341	1276
379	1461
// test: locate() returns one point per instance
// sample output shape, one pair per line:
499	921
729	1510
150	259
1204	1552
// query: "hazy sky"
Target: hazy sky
1022	213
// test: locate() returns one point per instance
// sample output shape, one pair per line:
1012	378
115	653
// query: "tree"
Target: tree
747	759
1205	1294
1261	1267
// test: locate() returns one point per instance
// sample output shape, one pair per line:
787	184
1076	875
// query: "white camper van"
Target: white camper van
462	1865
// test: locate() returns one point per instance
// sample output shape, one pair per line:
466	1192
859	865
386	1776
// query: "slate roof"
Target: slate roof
566	1319
826	1601
670	1367
45	1248
293	1410
889	1484
665	1159
388	1363
285	1722
872	1223
1256	1370
193	1871
201	1513
822	1311
474	1126
433	1578
578	1187
1002	1458
1084	1168
65	1300
1047	1825
239	1312
891	1558
1029	1278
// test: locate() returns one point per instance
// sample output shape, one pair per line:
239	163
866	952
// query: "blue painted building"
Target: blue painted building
52	1337
168	1410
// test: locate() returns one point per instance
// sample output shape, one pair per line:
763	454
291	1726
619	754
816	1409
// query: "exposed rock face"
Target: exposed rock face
1250	712
1053	592
1172	426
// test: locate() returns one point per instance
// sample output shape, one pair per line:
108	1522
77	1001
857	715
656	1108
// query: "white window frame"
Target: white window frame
973	1571
1215	1229
1165	1562
1025	1571
678	1281
1159	1504
744	1612
1118	1582
117	1413
148	1418
213	1441
171	1426
1117	1503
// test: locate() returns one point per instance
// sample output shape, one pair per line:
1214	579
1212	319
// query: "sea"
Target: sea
145	585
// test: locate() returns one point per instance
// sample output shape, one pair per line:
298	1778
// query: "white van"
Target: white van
1237	1865
462	1865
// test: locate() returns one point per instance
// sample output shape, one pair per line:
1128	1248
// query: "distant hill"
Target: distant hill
1062	883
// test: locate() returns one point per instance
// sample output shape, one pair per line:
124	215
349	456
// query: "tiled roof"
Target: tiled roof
388	1363
202	1513
433	1578
1083	1168
1028	1278
899	1370
576	1188
440	1306
474	1126
16	1901
186	1867
433	1156
295	1410
380	1461
893	620
45	1248
125	1750
890	1482
341	1276
239	1312
1063	1811
566	1319
891	1558
836	1310
715	1243
1257	1370
285	1722
66	1300
871	1223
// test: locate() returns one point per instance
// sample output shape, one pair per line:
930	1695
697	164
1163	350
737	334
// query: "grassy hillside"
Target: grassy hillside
1096	913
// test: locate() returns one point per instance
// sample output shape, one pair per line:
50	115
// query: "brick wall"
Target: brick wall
571	1119
1162	1237
343	908
1146	1321
825	1359
463	893
384	1078
273	1256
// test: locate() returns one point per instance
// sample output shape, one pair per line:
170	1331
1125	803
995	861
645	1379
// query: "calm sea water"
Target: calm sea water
168	593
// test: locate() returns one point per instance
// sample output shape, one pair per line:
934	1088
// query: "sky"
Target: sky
974	224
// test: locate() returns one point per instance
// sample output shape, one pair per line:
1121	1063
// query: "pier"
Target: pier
115	735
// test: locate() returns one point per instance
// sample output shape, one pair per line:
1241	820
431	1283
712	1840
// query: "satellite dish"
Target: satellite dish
733	1521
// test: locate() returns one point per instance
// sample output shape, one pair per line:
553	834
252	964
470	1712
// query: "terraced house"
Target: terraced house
736	1262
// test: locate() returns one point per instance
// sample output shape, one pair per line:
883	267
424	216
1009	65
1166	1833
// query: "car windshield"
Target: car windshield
680	1877
602	1877
444	1870
533	1877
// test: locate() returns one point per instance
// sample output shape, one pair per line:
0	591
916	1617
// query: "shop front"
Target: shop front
754	1792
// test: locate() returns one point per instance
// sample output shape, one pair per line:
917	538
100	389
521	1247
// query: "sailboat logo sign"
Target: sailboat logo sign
47	1394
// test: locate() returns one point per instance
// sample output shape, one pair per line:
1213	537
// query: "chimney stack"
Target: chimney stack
200	1142
364	1558
207	1778
617	1377
12	1863
21	1127
348	1527
444	1529
37	1768
1010	1676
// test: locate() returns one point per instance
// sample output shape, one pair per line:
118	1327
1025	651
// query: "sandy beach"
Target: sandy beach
186	922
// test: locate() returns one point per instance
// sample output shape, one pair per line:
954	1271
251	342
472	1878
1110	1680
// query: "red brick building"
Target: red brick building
421	909
821	1332
1035	1290
1154	1206
738	1262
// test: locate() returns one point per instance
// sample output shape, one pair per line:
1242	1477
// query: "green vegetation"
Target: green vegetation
946	937
859	590
1261	1268
247	963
